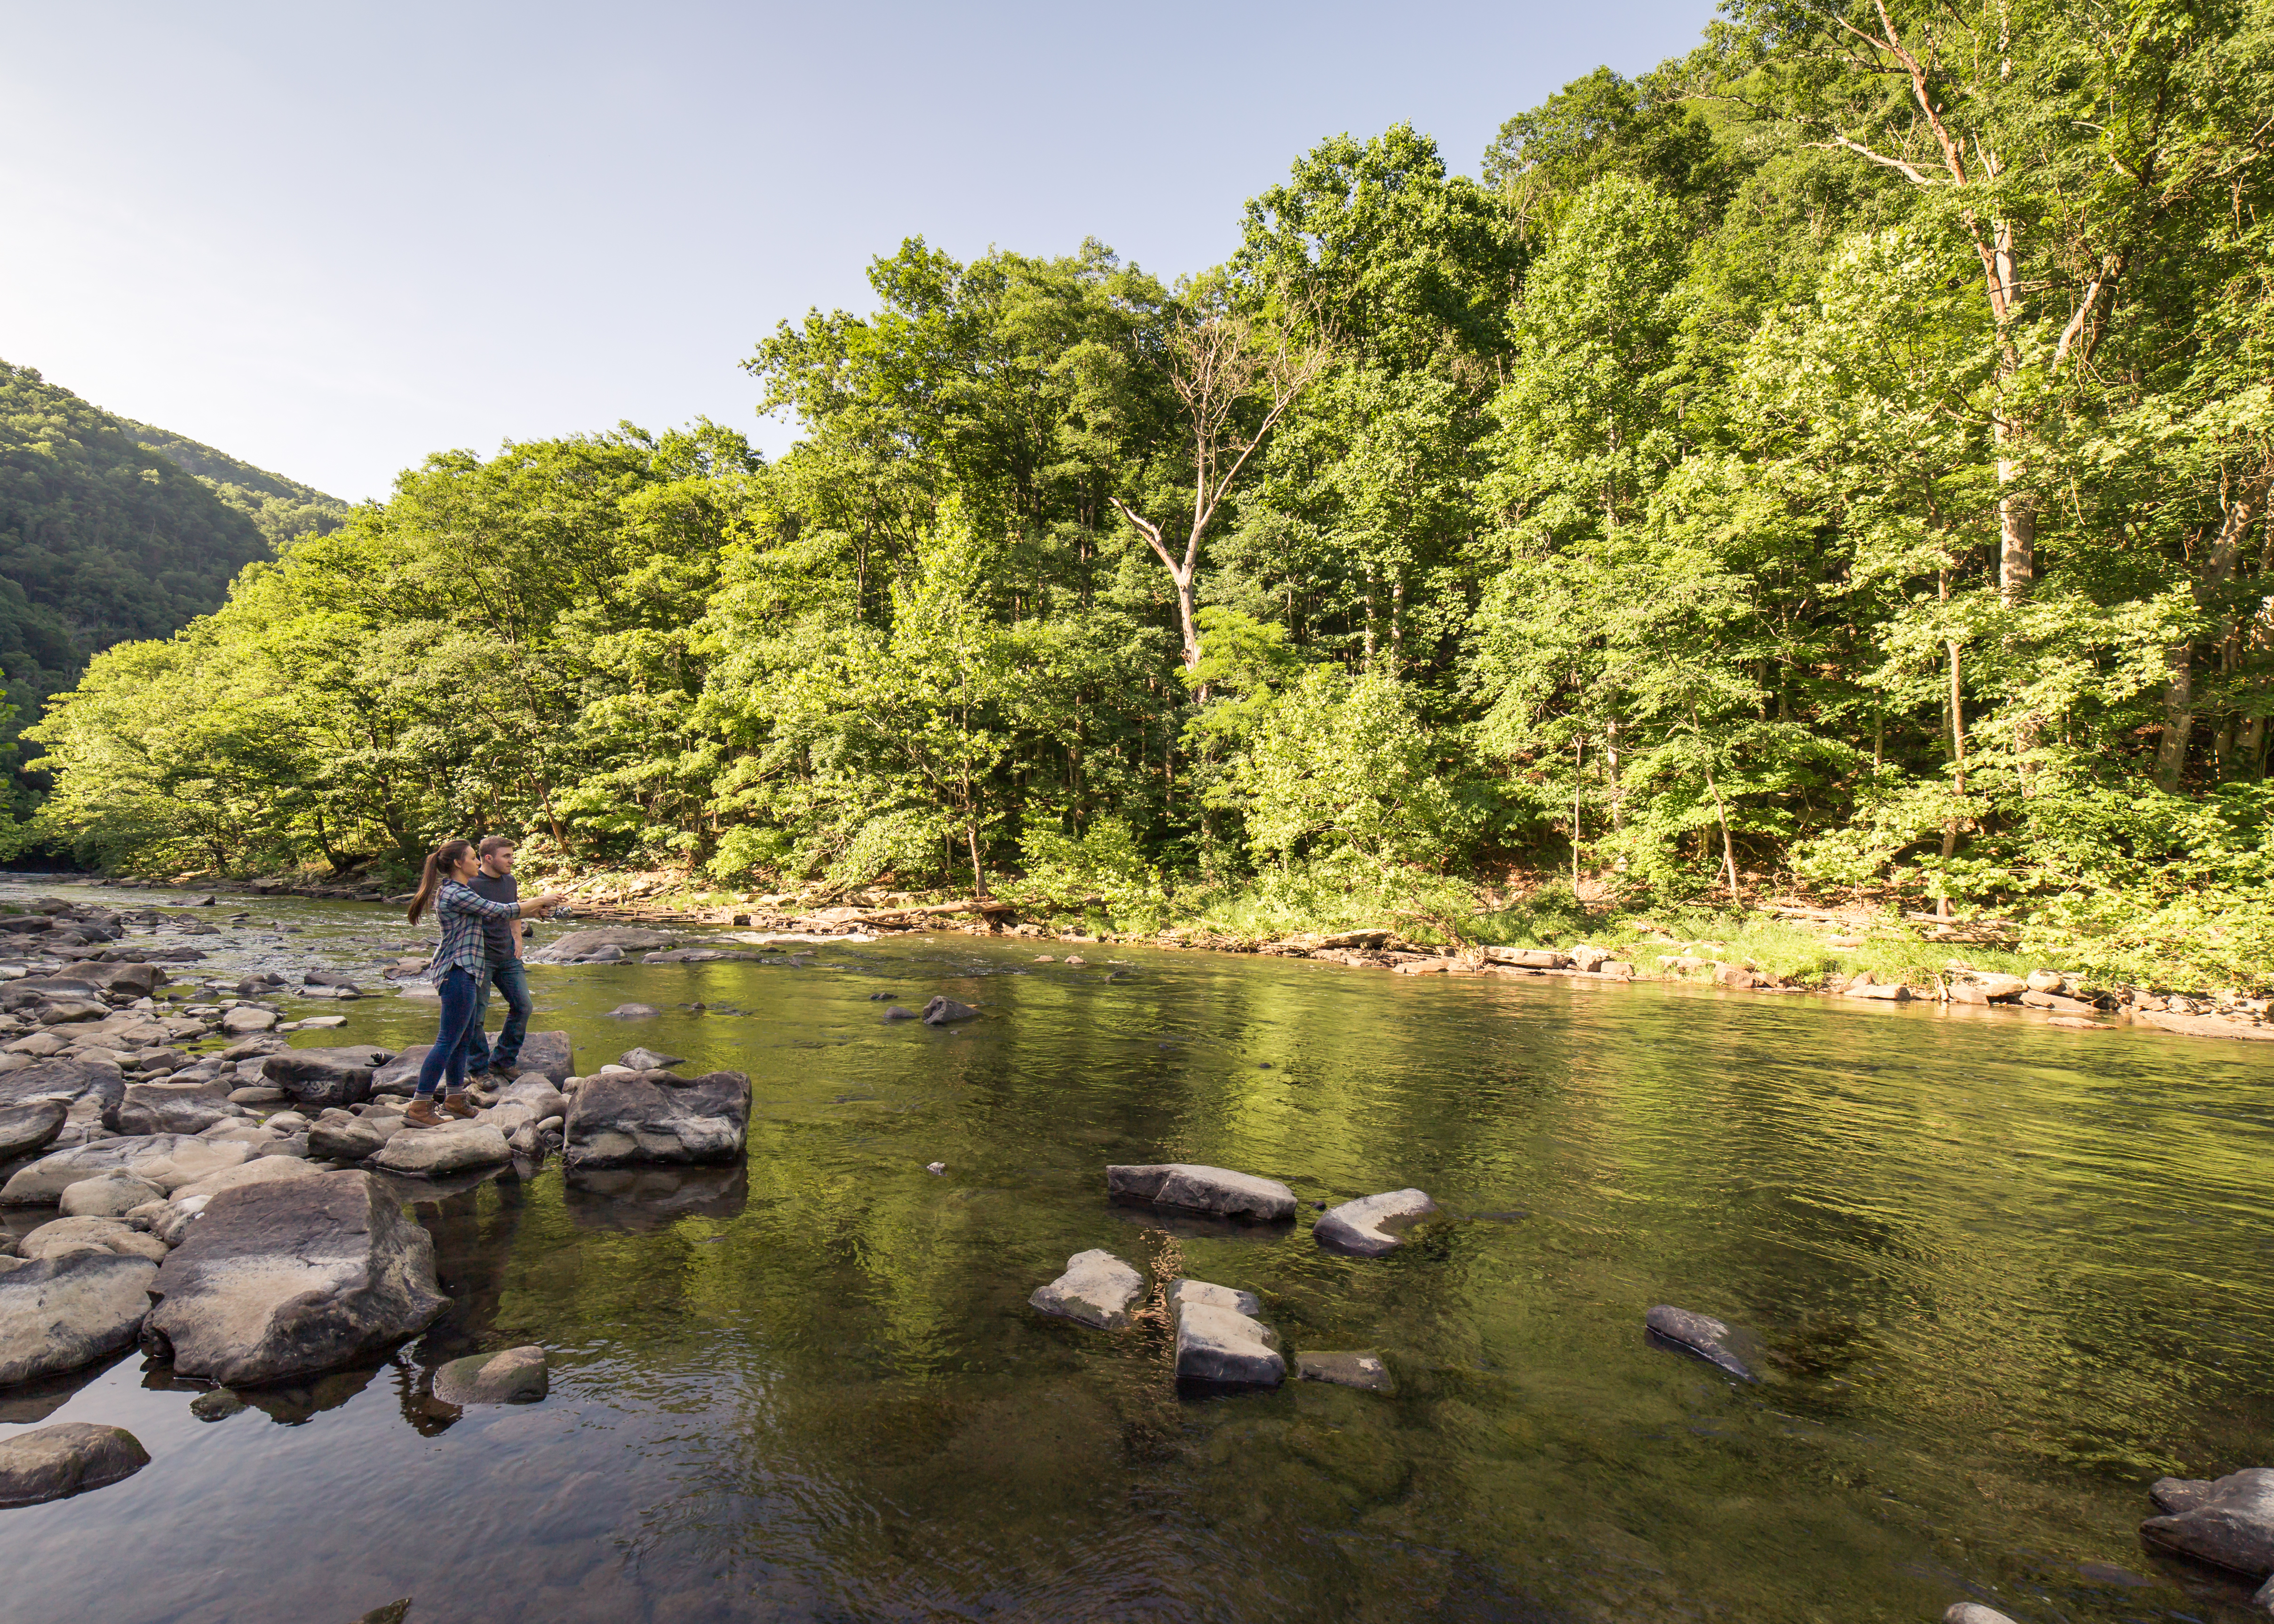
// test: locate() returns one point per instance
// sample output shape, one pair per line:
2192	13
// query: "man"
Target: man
502	947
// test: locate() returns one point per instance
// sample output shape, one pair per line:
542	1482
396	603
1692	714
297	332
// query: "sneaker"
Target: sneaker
458	1105
421	1114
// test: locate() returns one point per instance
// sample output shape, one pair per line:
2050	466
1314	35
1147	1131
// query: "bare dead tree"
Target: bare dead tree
1218	366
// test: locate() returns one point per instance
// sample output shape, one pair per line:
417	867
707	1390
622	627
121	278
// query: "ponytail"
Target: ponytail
439	862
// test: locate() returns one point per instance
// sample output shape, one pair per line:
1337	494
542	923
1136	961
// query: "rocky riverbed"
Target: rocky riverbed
1532	1299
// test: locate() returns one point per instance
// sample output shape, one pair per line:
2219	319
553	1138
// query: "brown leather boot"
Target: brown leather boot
421	1114
460	1106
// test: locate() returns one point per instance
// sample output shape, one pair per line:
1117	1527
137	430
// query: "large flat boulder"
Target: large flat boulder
1096	1289
167	1160
2227	1522
170	1108
319	1077
550	1054
1191	1187
438	1152
70	1457
1374	1224
280	1280
66	1081
59	1314
583	944
635	1118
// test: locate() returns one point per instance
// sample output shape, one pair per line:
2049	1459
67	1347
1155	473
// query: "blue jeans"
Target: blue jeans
512	980
456	987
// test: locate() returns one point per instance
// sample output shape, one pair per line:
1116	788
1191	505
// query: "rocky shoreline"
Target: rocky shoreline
2048	994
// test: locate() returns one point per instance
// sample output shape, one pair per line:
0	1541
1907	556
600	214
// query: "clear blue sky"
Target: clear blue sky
329	239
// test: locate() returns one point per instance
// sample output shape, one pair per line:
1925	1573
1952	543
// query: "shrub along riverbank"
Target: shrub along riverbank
1835	465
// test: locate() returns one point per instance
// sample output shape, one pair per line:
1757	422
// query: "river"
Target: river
2006	1275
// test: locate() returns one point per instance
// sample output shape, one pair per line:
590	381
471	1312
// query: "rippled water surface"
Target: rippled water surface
2006	1275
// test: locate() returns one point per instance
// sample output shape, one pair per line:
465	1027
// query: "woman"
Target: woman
457	971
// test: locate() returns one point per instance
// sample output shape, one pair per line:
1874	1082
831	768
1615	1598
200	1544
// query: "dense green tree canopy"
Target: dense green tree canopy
1839	456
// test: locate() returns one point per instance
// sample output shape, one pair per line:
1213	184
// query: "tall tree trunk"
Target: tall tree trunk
1957	763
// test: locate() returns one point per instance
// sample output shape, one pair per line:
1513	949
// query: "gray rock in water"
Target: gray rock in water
635	1118
1220	1346
170	1108
294	1276
1096	1289
591	943
1361	1368
1707	1338
437	1152
550	1052
649	1060
1191	1187
633	1011
942	1011
319	1077
26	1128
2227	1522
1183	1293
1973	1613
59	1314
70	1457
1369	1226
108	1195
329	978
349	1138
895	1012
517	1376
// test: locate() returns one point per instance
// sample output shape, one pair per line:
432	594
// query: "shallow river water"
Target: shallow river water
2006	1275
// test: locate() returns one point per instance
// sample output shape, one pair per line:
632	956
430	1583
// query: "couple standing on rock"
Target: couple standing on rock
476	900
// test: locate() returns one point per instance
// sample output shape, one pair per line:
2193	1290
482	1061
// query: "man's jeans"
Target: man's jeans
512	980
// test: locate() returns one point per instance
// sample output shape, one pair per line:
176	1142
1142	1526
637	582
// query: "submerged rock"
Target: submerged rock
633	1011
1361	1368
59	1314
287	1278
1707	1338
895	1012
1973	1613
517	1376
2227	1522
1192	1187
649	1060
941	1010
70	1457
630	1119
1369	1227
1096	1289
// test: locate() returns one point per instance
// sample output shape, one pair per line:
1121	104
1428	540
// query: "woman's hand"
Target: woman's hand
546	904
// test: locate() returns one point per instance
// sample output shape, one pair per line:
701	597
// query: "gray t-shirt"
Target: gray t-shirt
497	933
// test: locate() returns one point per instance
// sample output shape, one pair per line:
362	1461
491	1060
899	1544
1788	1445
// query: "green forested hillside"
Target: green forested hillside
105	537
281	508
1837	460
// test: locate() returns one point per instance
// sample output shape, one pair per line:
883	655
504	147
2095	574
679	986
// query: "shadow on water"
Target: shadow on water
1994	1277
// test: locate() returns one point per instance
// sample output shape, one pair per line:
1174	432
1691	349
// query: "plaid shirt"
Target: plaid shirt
461	913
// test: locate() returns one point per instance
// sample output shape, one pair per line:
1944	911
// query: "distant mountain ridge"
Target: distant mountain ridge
112	530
